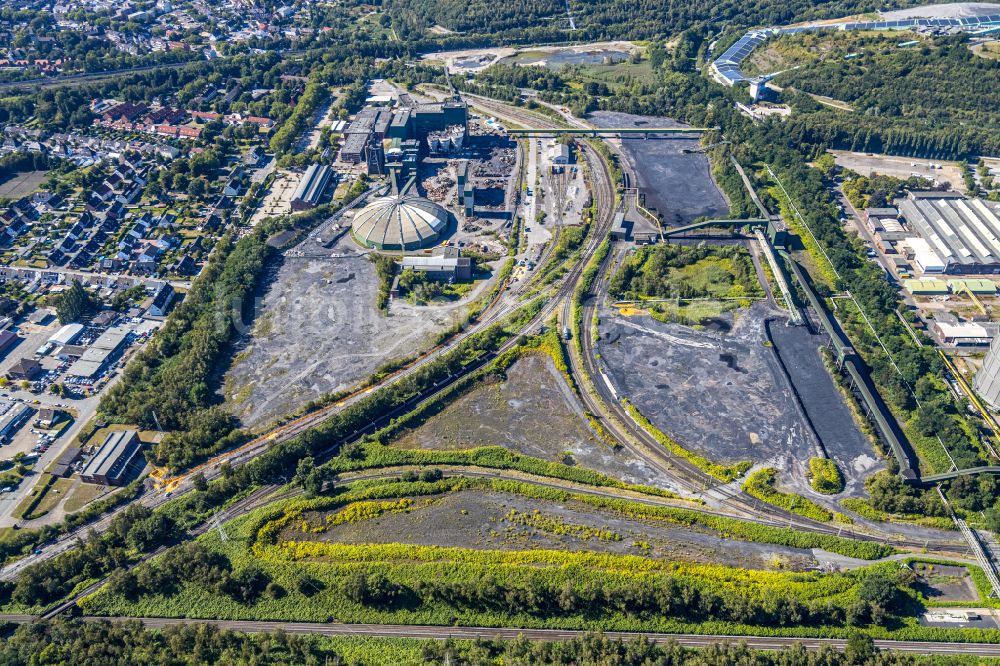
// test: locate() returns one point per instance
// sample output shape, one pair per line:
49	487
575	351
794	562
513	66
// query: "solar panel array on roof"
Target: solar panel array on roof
967	21
727	66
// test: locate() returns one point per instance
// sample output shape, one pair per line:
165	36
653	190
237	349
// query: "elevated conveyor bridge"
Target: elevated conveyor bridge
645	132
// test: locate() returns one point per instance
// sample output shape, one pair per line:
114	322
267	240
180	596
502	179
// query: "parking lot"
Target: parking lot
901	167
76	397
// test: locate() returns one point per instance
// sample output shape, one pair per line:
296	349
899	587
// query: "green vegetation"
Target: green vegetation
877	190
761	484
286	135
170	383
76	303
257	573
825	476
136	531
375	456
926	101
418	288
385	269
707	279
725	473
544	21
583	289
559	526
126	643
864	508
48	491
789	51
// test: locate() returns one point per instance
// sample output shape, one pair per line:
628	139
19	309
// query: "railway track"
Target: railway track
693	479
504	304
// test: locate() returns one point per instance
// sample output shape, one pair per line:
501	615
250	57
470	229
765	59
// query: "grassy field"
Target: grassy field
51	493
620	73
282	540
797	50
989	50
692	313
84	494
311	579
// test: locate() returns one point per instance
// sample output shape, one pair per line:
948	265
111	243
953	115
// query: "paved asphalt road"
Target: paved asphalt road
470	633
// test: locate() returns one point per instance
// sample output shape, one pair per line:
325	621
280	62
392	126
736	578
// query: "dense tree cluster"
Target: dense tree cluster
599	650
536	21
76	303
18	162
928	101
879	596
120	643
169	381
136	531
126	643
192	563
38	37
651	271
877	190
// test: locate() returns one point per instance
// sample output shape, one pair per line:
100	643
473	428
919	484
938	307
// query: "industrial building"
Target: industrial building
111	462
66	335
63	465
312	187
441	267
102	352
987	380
886	229
954	234
962	334
400	221
379	137
466	192
24	369
7	340
13	419
919	251
447	141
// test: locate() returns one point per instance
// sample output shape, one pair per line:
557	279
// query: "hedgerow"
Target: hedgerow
373	456
725	473
761	484
864	508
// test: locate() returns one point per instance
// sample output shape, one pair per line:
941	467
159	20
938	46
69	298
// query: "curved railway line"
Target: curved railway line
211	469
695	480
503	303
636	438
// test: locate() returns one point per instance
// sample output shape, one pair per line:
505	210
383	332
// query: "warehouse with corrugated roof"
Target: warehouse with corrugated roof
963	233
312	187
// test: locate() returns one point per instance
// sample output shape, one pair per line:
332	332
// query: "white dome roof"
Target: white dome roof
399	221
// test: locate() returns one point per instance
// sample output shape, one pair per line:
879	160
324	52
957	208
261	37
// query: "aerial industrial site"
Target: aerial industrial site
429	333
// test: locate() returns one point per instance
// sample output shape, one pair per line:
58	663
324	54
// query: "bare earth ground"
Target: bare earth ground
481	519
318	331
900	167
947	10
473	60
533	412
940	582
726	397
678	186
22	184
